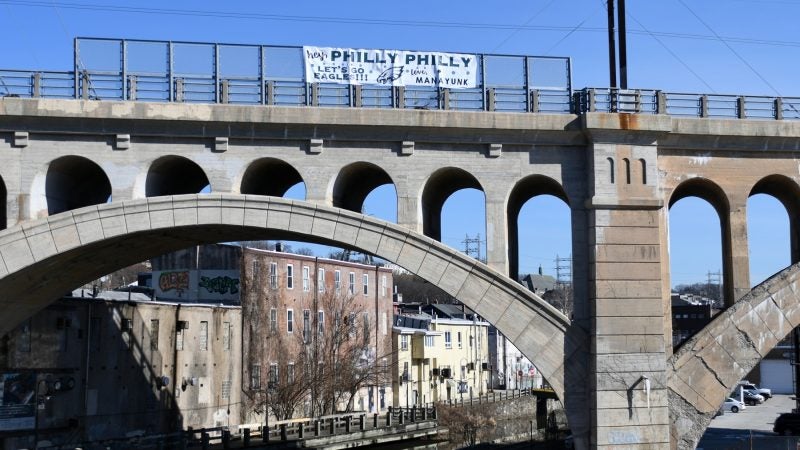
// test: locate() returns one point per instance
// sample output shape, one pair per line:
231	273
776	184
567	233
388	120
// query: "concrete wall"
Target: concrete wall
130	377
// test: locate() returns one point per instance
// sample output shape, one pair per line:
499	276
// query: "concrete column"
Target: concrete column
627	377
496	235
736	251
408	212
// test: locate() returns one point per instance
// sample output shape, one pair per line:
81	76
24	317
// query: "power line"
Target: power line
527	22
730	48
384	22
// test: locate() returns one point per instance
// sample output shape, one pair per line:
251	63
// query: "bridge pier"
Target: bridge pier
627	381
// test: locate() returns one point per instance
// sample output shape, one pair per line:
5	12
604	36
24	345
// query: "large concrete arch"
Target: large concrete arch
706	368
44	258
786	191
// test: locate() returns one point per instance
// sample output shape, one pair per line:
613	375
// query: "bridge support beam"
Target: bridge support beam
627	380
737	271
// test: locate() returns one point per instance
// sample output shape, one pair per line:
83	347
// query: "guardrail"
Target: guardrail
282	92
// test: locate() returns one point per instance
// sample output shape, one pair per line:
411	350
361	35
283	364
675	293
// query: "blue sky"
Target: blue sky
713	46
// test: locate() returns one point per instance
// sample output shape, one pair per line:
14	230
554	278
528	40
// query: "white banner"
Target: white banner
390	67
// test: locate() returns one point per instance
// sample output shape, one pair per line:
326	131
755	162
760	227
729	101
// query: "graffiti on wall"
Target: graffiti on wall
174	281
220	284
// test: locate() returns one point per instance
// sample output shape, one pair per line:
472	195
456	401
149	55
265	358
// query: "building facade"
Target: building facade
88	369
439	358
317	336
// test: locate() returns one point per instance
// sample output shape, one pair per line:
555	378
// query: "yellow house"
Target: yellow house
438	359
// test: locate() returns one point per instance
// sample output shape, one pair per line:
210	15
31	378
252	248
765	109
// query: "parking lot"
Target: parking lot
750	428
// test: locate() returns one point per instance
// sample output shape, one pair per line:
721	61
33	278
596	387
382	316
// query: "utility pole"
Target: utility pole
612	45
472	246
563	270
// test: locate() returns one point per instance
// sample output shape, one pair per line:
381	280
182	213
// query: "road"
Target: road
750	429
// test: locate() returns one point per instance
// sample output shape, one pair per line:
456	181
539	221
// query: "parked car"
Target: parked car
766	393
733	405
752	398
787	423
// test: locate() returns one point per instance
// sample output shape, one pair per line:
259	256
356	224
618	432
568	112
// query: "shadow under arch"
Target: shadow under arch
355	182
439	187
786	191
174	175
526	189
269	176
73	182
707	367
712	193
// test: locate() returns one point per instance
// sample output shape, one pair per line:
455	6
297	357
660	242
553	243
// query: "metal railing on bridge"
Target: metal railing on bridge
192	72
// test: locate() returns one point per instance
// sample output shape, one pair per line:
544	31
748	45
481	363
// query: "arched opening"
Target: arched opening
441	185
175	175
699	258
787	192
611	169
270	176
627	164
360	180
74	182
539	225
643	165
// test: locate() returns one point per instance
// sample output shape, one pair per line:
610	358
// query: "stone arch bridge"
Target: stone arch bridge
92	186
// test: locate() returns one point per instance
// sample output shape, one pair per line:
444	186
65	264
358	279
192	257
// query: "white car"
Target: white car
733	405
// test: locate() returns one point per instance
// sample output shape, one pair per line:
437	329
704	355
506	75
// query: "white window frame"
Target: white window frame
321	322
337	280
448	340
429	341
306	278
289	320
273	275
273	320
203	335
320	280
365	283
352	283
289	276
383	285
458	335
306	325
403	342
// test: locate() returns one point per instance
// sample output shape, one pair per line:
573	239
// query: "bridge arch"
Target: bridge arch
441	184
524	190
713	194
269	176
786	191
49	256
174	175
68	183
707	367
355	182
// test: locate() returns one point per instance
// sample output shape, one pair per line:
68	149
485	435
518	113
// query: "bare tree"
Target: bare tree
561	297
415	289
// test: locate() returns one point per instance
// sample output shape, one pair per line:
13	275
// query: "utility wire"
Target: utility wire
674	55
573	30
753	69
527	22
387	22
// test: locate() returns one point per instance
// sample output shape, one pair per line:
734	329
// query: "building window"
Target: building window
403	342
290	372
428	341
226	389
306	280
458	336
320	322
273	375
384	327
204	335
365	282
383	285
273	275
273	320
255	270
406	375
255	376
226	335
289	321
352	324
179	338
321	280
306	325
289	276
154	334
337	281
447	340
352	283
